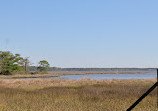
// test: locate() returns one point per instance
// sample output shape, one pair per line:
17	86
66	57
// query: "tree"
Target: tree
25	62
43	66
10	63
0	65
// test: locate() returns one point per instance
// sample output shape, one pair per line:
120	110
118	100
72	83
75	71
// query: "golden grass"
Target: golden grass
20	83
75	95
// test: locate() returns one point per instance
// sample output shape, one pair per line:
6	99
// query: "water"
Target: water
149	75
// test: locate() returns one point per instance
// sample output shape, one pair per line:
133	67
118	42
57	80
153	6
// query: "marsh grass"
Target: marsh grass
75	95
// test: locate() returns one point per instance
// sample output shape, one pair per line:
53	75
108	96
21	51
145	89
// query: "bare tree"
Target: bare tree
26	64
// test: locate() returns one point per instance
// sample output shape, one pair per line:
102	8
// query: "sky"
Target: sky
82	33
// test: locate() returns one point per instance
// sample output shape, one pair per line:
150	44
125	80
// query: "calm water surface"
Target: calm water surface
151	74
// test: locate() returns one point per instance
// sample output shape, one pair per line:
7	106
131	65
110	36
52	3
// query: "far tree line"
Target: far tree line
14	64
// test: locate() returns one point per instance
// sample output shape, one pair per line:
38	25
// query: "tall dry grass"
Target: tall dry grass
75	95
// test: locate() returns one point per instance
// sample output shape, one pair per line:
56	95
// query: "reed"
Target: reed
75	95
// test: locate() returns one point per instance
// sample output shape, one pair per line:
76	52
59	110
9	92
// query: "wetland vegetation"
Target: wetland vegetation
75	95
17	94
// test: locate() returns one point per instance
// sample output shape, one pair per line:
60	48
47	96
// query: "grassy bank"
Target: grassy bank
75	95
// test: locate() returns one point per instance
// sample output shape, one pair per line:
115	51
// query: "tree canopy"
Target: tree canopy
10	63
14	63
43	66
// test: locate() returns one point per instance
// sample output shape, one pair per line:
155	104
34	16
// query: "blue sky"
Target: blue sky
82	33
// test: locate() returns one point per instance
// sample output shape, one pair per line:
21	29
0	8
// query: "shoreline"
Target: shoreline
57	74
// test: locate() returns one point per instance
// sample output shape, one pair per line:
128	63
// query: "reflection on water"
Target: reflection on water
151	74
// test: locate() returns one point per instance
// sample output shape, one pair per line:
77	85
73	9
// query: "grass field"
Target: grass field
75	95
